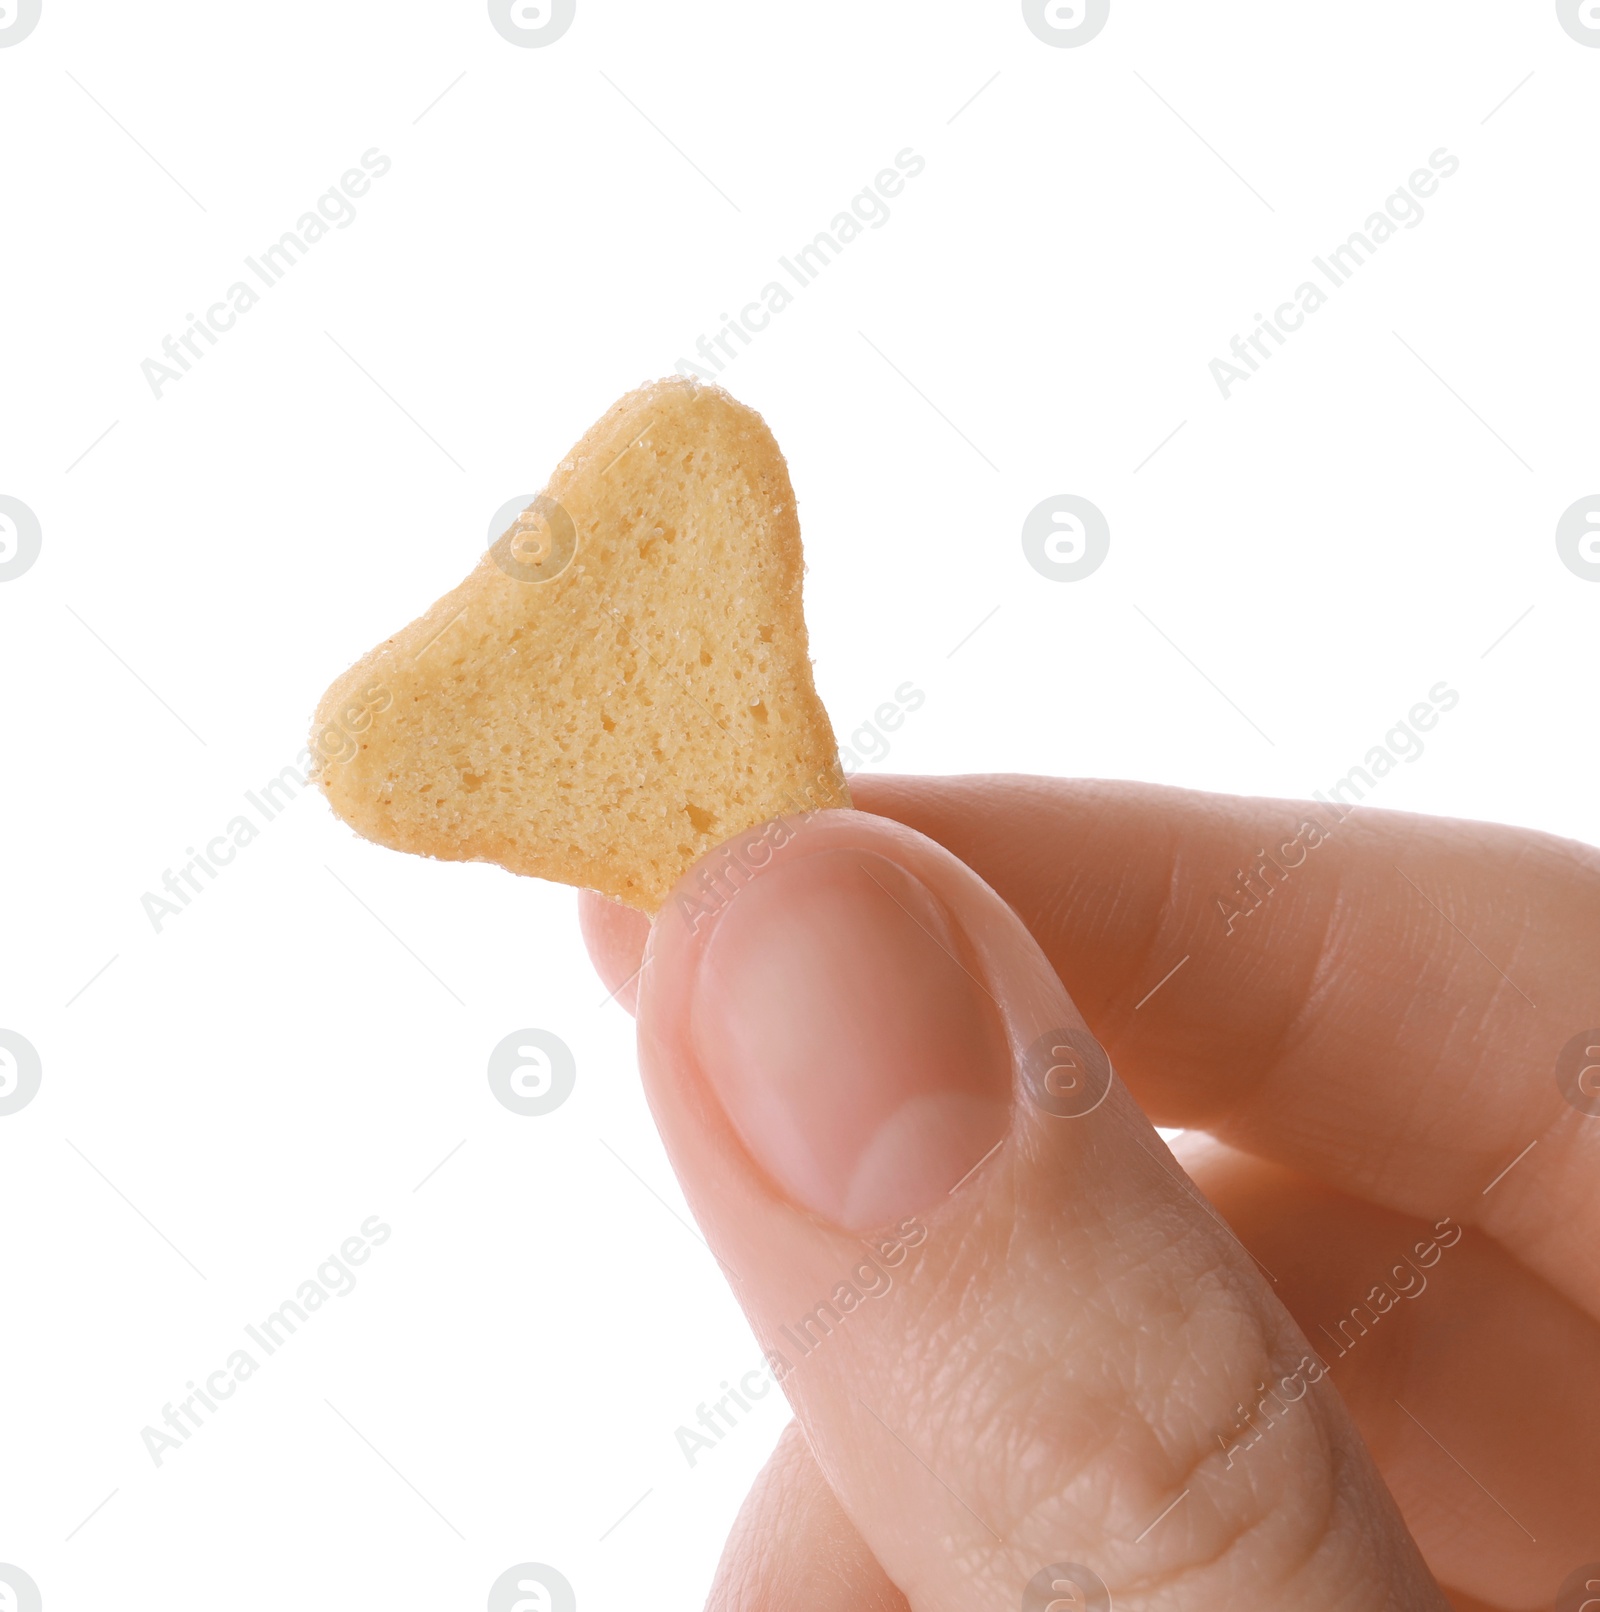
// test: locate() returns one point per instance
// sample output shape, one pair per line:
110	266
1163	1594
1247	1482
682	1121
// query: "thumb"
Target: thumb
1035	1367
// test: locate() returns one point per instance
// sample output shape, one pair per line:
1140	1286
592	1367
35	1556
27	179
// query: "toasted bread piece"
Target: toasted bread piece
621	683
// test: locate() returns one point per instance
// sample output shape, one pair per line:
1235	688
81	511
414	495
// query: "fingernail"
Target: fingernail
841	1023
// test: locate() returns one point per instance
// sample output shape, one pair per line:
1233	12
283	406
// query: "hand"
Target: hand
1353	1354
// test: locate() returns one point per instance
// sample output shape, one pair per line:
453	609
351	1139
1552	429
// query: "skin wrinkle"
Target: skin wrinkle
1456	958
1048	1485
1052	1482
1191	1287
1475	1021
1497	993
1168	910
973	1387
1241	1524
1182	899
1030	1372
1381	1146
1338	1461
1236	1536
1449	962
967	1273
1074	903
1195	1194
1218	1295
1168	918
1344	1503
1501	1210
1027	1385
1171	1227
1295	1034
1185	1432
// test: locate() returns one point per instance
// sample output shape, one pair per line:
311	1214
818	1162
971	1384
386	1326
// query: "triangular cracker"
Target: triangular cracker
622	682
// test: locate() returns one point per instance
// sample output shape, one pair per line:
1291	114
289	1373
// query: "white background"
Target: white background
1288	575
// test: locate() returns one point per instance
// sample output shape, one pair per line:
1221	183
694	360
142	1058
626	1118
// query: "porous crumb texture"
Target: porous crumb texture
608	726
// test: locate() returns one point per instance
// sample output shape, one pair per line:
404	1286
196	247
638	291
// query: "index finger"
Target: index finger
1398	1005
1394	1004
